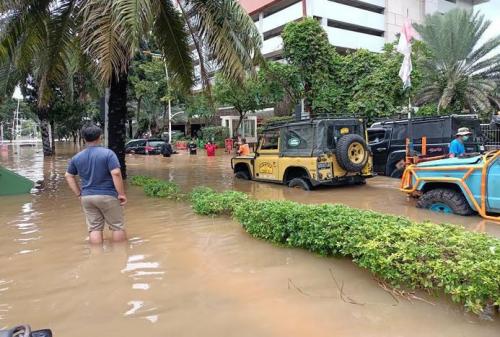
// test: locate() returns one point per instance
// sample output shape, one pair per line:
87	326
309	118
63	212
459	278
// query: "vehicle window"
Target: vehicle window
399	131
270	140
376	136
156	143
135	143
431	130
298	138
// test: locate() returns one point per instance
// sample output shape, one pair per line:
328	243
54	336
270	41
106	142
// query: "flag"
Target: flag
404	47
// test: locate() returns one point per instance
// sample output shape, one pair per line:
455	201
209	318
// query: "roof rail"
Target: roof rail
402	118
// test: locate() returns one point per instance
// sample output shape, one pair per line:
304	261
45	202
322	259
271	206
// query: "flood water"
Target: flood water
185	275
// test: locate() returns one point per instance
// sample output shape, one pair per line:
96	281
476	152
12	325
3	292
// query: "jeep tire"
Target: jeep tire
397	173
456	201
352	152
242	175
300	183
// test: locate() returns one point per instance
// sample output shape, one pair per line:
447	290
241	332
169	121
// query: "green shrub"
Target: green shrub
463	264
206	201
215	134
460	263
141	180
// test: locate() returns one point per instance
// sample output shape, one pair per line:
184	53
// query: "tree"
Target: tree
460	71
306	46
111	32
245	97
148	86
35	44
281	84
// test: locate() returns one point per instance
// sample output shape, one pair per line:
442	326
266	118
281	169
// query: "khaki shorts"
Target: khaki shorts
102	208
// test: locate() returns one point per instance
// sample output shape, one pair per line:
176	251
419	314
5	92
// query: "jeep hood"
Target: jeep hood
451	162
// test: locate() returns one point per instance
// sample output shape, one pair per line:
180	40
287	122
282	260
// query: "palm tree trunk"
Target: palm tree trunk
43	115
117	117
52	136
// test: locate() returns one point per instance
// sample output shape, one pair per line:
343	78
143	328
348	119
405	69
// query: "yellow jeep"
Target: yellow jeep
309	153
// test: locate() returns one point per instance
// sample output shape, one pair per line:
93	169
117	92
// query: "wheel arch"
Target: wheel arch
242	167
292	172
392	159
427	186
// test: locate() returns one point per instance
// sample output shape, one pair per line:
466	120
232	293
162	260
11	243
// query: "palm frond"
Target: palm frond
134	18
460	68
102	39
229	33
172	37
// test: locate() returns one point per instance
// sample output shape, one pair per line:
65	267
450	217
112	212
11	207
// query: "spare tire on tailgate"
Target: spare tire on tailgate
352	152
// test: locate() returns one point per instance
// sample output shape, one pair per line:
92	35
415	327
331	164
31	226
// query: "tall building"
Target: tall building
350	24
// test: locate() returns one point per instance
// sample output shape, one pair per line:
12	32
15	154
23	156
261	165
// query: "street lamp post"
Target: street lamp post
16	125
170	116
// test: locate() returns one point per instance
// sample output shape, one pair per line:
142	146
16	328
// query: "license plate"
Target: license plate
322	166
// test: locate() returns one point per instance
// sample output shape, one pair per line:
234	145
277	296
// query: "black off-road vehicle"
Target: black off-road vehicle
387	139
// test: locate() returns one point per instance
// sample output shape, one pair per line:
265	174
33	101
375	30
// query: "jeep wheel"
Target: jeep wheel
445	200
397	173
242	175
300	183
352	152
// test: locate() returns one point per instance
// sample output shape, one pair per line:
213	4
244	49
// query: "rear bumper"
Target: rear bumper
341	180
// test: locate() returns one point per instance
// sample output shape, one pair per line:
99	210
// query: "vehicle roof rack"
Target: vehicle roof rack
316	117
402	118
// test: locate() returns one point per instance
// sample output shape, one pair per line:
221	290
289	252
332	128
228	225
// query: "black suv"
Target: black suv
387	139
144	146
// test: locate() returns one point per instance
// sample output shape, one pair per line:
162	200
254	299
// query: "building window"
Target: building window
354	28
279	7
361	5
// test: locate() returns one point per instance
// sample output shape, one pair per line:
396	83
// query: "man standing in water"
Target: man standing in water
102	193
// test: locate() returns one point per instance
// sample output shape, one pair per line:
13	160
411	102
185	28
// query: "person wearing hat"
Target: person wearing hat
457	148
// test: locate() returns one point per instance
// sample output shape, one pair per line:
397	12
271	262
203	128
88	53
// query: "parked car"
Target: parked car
462	186
309	153
144	146
387	139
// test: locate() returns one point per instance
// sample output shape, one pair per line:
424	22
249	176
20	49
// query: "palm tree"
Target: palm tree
35	44
111	31
461	71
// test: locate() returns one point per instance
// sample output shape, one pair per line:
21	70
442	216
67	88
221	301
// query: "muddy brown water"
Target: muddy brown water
185	275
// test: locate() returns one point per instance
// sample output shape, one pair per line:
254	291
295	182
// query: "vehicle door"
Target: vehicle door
379	142
267	155
493	187
435	133
131	146
140	147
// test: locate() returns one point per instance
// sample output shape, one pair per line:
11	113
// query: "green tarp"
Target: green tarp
12	183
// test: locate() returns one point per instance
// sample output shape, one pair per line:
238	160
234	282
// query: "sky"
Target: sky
491	11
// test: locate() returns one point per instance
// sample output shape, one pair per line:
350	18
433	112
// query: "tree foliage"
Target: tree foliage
360	83
460	71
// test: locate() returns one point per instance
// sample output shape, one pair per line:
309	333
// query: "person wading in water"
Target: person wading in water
102	194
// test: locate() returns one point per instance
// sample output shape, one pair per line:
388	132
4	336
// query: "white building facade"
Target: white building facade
350	24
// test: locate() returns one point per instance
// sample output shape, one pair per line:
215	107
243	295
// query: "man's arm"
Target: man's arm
116	174
73	184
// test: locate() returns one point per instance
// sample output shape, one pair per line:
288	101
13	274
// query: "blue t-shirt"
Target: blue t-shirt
457	148
94	165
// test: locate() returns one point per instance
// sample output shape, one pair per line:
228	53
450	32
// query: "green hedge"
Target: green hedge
158	188
406	254
206	201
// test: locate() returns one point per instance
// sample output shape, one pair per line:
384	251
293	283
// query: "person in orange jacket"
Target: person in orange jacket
244	149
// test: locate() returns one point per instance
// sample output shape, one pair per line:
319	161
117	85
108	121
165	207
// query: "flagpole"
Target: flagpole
410	124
